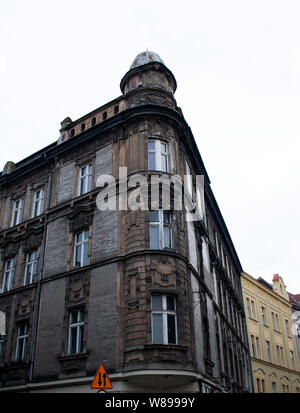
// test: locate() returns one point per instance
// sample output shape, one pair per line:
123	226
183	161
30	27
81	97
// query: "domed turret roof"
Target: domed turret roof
144	58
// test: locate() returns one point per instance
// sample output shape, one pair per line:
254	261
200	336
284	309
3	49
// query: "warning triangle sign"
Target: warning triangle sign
101	380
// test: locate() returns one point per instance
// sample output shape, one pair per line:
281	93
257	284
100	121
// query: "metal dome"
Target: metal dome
144	58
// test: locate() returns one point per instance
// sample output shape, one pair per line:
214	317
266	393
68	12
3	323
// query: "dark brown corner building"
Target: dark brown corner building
153	297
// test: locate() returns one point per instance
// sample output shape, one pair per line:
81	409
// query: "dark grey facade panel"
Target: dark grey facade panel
50	330
102	318
57	247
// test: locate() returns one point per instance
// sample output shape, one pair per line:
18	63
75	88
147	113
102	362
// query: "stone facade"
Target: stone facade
111	291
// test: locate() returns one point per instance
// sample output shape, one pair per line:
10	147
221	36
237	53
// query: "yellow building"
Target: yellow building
274	357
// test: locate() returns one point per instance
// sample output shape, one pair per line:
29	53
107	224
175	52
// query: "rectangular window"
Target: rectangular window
161	236
81	248
263	386
164	323
76	325
248	307
85	179
278	354
277	322
253	309
268	348
258	347
287	327
263	314
22	340
253	346
158	156
258	385
9	269
292	359
17	212
274	387
38	203
31	267
282	356
273	319
216	242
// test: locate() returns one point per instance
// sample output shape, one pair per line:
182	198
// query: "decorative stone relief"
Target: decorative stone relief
81	218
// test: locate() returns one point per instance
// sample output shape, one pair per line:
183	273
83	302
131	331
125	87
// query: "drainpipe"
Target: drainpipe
41	270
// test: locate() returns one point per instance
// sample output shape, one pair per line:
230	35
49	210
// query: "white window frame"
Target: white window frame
79	326
38	202
85	179
30	267
161	227
82	243
160	155
9	270
164	312
17	212
22	340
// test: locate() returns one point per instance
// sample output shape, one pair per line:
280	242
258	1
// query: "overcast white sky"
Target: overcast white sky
237	65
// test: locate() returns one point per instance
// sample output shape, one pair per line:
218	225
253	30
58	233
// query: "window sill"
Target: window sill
158	346
65	357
